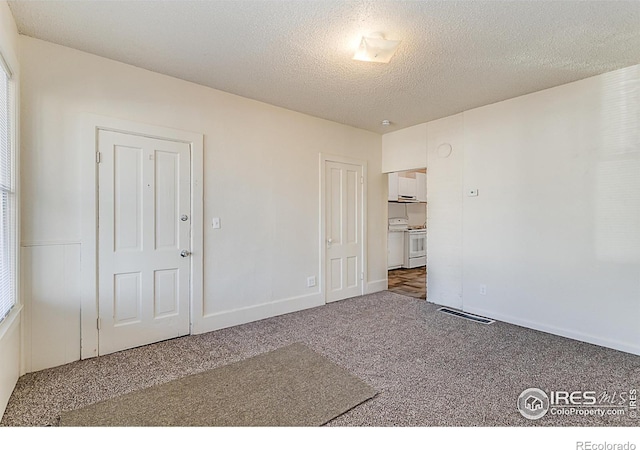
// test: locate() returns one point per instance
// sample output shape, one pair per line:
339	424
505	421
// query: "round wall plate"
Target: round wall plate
444	150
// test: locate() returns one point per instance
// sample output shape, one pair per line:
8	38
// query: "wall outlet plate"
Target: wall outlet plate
311	281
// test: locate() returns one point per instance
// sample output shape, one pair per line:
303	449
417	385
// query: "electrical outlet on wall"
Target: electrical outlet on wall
483	289
311	281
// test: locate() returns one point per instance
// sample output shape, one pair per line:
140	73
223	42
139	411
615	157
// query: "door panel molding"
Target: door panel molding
91	124
130	190
325	158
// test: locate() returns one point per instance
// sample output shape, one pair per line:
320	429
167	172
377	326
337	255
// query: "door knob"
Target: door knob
329	242
184	217
185	253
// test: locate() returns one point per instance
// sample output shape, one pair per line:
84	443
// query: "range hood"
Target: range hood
407	199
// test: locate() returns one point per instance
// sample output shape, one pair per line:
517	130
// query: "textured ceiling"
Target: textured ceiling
297	54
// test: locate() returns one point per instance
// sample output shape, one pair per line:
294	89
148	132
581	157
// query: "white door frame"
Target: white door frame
324	158
91	124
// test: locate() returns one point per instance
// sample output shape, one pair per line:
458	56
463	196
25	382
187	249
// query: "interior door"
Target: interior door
143	240
343	230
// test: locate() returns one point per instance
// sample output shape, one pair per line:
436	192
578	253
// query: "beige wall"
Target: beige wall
261	179
10	328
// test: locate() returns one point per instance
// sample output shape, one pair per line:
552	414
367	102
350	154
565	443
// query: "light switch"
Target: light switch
215	222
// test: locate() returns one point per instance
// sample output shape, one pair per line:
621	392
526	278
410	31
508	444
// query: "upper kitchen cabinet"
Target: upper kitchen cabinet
408	186
405	149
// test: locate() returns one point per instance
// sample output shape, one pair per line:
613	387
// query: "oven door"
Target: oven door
417	244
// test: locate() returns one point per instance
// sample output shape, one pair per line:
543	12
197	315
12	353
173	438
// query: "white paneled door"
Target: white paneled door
343	230
143	240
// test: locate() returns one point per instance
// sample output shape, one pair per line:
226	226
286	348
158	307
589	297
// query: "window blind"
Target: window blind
7	200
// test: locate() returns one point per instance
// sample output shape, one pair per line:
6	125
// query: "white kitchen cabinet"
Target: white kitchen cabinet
407	187
395	249
393	187
421	187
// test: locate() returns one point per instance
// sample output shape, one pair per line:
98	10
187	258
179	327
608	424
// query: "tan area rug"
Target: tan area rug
291	386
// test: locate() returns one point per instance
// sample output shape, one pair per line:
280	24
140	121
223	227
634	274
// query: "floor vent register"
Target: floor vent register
464	315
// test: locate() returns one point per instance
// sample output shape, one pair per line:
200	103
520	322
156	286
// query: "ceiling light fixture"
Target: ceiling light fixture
386	123
376	48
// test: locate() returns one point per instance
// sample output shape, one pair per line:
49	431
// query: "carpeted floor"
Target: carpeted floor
430	369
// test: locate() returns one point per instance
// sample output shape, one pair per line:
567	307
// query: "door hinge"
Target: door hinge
99	323
362	275
361	180
98	157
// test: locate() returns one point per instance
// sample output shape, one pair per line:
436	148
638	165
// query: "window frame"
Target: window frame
12	196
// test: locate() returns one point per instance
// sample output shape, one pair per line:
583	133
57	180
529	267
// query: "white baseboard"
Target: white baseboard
230	318
376	286
571	334
443	303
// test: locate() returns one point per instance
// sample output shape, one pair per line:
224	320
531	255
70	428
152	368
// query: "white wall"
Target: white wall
51	294
261	179
554	233
444	211
415	212
395	209
10	328
405	149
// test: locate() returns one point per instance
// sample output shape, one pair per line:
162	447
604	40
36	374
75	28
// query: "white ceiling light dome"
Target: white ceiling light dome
375	48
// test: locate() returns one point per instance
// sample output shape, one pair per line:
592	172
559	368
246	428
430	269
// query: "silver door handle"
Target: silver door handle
329	242
185	253
184	217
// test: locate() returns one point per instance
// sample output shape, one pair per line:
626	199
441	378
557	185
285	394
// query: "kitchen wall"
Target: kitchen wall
553	233
415	212
11	326
261	168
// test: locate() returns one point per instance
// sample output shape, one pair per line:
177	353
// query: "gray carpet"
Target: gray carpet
291	386
429	369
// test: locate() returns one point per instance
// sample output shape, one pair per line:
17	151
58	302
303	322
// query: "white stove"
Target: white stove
413	243
415	248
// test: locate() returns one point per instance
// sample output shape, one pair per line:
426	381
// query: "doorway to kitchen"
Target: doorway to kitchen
407	233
